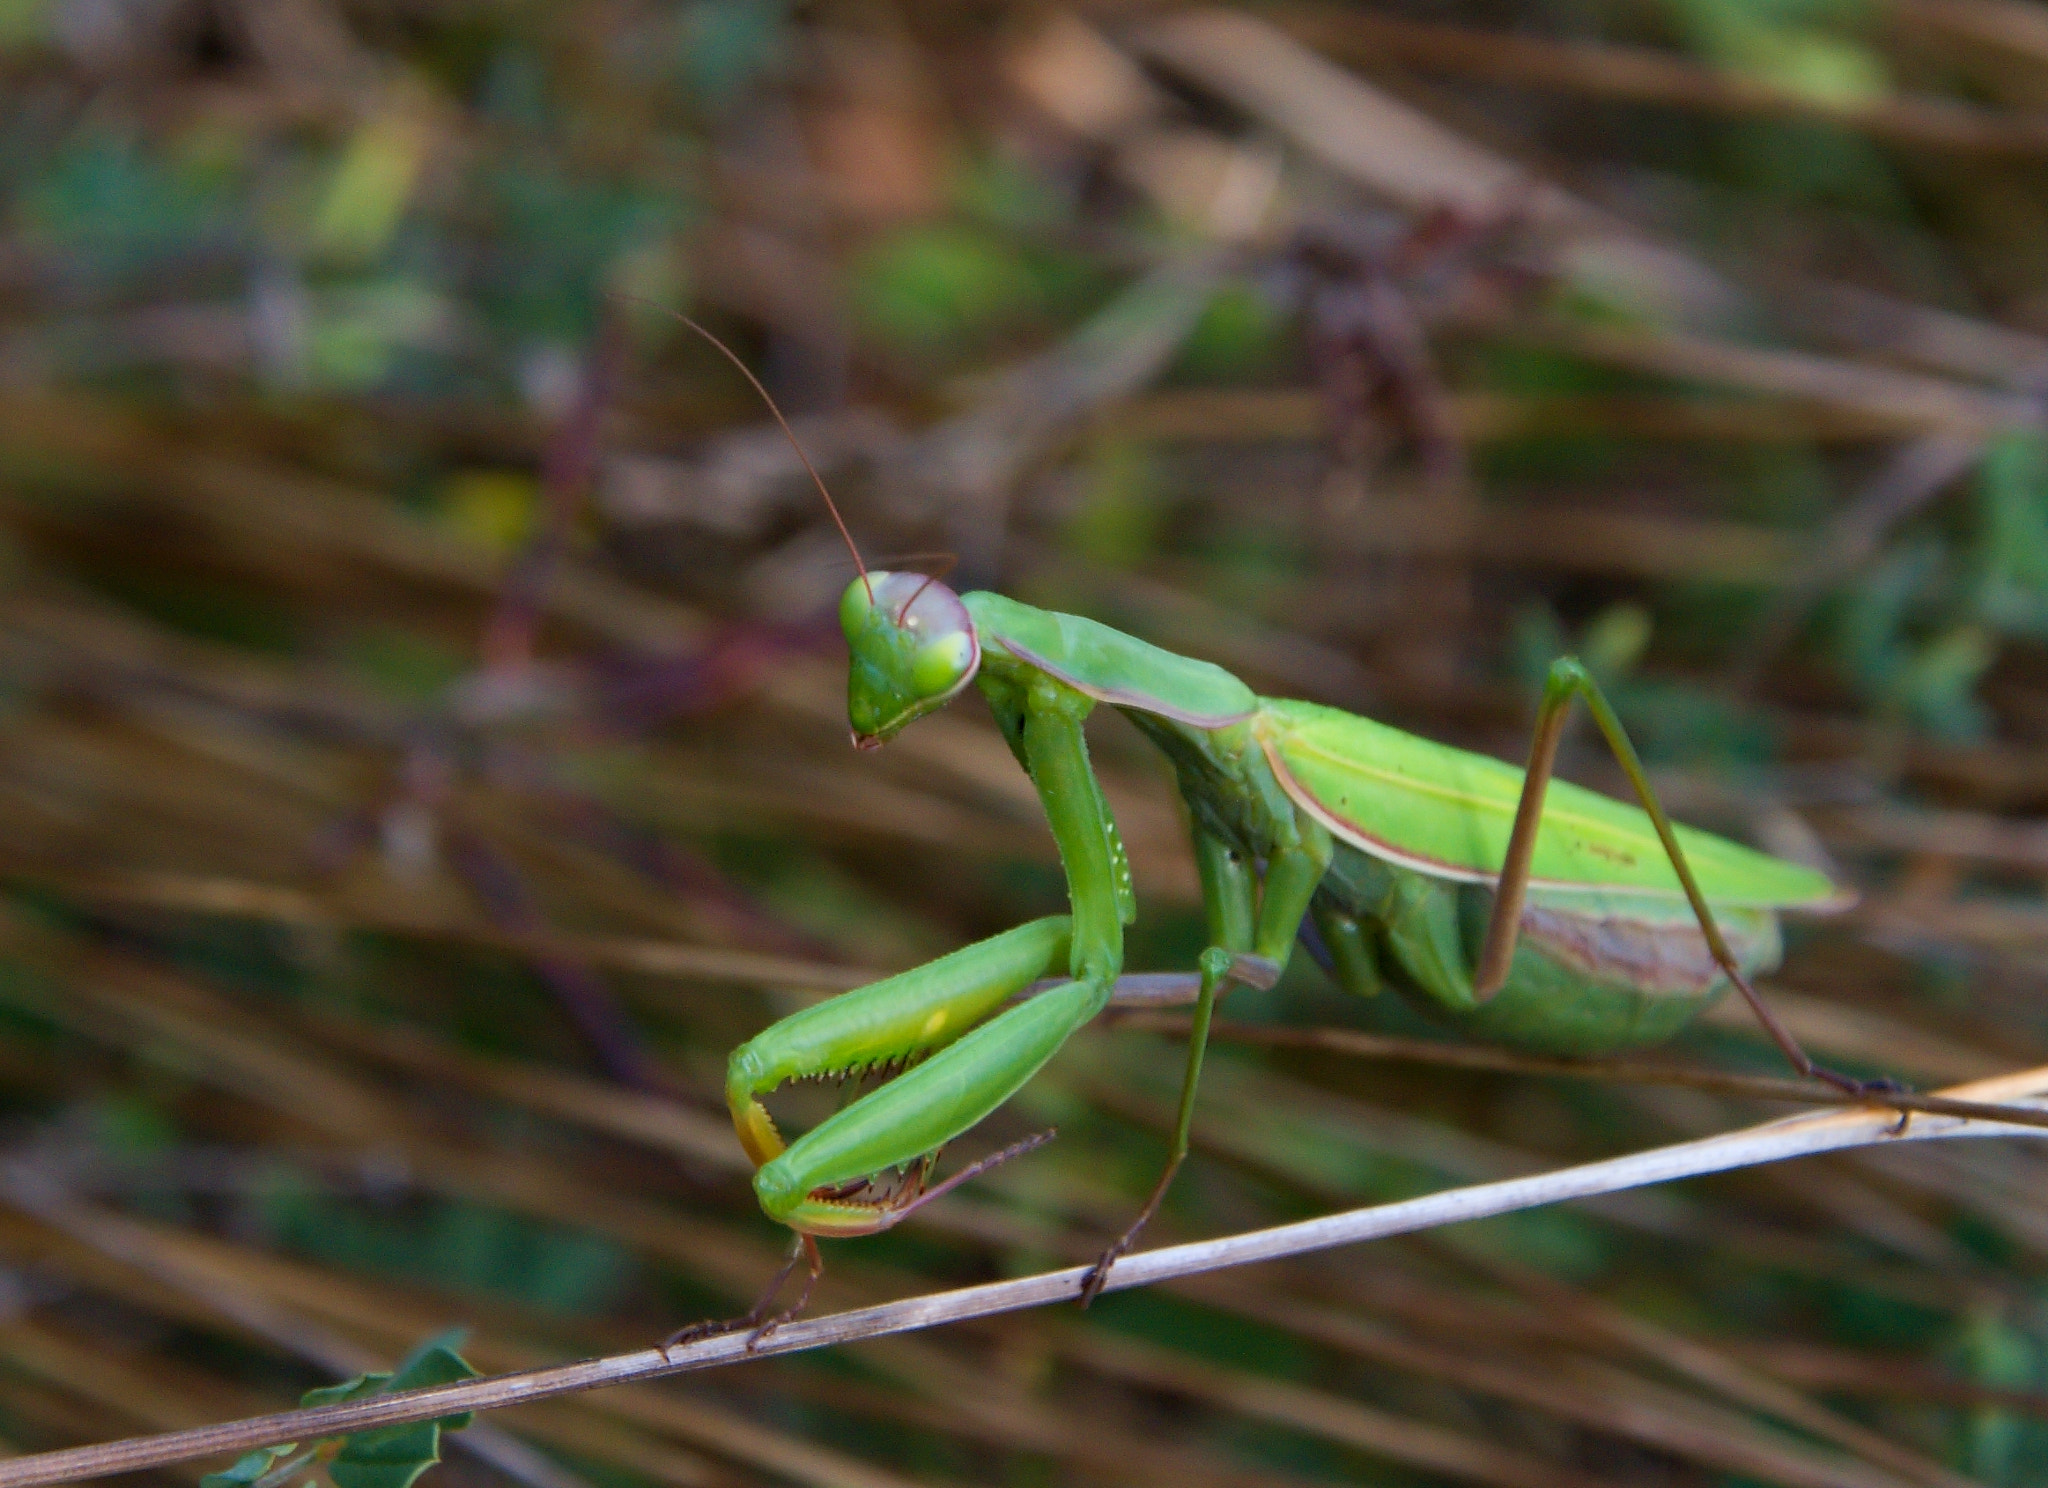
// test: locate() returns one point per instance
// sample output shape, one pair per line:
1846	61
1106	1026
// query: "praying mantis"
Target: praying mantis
1522	911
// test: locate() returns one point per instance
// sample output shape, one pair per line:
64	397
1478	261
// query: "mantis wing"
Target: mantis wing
1447	813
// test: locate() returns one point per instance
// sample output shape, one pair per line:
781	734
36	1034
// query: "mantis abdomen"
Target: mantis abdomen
1592	973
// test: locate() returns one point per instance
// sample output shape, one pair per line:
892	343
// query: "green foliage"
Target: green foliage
1000	191
372	183
1995	1445
1119	514
1610	644
23	23
1523	367
557	238
466	1246
395	1456
722	47
939	290
1242	335
1556	1241
209	611
1207	1331
1917	632
259	1469
2011	558
1682	722
1816	49
401	661
1669	721
927	288
117	204
1796	44
388	1457
130	1126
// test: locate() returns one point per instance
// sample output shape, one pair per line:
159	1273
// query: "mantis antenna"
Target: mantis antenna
788	433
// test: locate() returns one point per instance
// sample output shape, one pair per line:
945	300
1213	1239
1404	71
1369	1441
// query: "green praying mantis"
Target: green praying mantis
1522	911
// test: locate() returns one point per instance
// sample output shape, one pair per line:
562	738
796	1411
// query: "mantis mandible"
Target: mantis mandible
1522	911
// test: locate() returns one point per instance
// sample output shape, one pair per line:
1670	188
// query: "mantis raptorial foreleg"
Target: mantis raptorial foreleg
1236	926
944	1024
1569	680
893	1022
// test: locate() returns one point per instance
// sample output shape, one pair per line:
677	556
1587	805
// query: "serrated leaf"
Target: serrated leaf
393	1456
251	1469
436	1362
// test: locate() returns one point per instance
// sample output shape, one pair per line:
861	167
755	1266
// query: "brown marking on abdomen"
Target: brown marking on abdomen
1664	959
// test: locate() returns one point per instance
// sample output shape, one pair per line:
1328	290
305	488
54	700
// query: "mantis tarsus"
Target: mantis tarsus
1525	912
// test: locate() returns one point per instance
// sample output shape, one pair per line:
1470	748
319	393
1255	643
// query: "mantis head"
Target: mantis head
914	646
913	642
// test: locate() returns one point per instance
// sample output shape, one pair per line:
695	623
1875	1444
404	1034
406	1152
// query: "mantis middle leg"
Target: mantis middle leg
1237	926
1569	680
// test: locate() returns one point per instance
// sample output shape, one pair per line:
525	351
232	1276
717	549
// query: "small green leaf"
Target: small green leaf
251	1469
1241	334
436	1362
355	1389
393	1456
373	184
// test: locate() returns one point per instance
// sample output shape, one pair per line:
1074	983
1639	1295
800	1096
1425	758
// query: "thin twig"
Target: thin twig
1642	75
566	475
210	894
1798	1136
120	1239
1914	474
1624	1071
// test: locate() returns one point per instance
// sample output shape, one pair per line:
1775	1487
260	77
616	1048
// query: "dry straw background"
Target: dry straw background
422	754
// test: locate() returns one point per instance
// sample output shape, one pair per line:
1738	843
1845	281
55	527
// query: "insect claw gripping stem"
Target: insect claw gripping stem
758	1316
763	1321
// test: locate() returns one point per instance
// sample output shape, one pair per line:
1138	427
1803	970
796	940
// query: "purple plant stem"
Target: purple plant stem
498	885
566	474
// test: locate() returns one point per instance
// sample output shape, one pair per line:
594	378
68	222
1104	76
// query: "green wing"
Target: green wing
1447	812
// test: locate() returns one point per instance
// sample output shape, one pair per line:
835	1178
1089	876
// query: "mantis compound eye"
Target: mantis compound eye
858	603
938	668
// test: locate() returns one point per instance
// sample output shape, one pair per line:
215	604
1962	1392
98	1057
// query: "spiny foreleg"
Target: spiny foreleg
887	1025
827	1184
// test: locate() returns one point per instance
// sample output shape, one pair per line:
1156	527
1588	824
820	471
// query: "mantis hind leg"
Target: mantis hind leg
1569	680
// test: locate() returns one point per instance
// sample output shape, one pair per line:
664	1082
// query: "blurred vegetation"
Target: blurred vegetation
422	756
